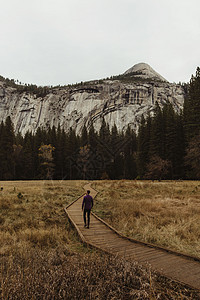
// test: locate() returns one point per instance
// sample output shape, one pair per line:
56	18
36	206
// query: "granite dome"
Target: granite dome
120	102
145	71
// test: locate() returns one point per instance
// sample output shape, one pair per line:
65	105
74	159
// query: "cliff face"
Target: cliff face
120	102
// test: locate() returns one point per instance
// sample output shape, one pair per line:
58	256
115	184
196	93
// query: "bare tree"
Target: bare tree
157	168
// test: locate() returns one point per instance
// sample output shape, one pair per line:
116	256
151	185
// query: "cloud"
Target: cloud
59	42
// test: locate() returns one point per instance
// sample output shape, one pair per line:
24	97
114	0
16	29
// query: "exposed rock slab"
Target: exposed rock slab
118	102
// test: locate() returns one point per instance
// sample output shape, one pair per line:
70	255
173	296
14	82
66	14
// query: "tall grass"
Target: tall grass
36	218
56	275
162	213
41	257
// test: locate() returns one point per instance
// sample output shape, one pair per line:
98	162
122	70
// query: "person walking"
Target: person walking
86	207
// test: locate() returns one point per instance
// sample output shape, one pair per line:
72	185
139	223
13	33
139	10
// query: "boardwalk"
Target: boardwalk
177	267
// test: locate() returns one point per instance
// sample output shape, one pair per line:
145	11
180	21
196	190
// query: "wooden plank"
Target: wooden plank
183	268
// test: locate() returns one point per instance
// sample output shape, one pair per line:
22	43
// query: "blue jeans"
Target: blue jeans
87	211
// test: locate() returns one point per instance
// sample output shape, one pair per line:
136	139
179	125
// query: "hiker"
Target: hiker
86	207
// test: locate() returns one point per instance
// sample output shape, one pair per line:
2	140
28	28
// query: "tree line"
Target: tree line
166	147
168	143
56	154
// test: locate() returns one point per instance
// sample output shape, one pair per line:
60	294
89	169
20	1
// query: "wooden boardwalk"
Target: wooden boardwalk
181	268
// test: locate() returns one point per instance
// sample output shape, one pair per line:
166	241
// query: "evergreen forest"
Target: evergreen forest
167	146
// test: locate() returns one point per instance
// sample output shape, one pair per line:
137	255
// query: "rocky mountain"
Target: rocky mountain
121	100
145	71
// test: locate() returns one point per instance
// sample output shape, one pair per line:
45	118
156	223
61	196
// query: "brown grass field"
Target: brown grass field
162	213
41	256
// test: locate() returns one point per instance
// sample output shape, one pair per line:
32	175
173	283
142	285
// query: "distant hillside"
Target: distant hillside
121	100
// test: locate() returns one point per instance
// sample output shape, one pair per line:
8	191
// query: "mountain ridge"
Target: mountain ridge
120	101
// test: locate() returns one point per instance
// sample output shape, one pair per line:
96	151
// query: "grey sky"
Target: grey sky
67	41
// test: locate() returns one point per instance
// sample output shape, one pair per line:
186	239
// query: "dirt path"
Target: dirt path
176	266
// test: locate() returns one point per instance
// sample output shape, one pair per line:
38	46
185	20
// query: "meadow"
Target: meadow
41	256
162	213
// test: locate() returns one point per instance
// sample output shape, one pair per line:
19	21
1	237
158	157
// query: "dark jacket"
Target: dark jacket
87	202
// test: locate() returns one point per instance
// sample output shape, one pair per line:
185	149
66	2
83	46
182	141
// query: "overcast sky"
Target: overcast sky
51	42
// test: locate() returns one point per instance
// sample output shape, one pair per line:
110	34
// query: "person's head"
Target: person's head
88	192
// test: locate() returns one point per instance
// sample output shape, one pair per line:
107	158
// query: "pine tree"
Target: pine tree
104	147
84	136
179	154
72	151
192	108
95	156
35	141
63	142
57	154
156	132
104	132
28	152
52	136
130	168
170	136
192	158
143	146
1	150
116	168
18	161
92	138
7	150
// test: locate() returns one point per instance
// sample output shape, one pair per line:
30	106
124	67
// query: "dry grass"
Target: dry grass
162	213
31	214
56	275
41	257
